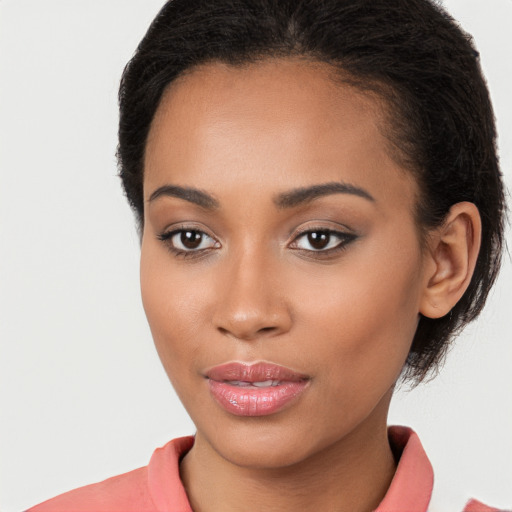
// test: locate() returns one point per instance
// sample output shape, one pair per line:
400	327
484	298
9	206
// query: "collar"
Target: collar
410	488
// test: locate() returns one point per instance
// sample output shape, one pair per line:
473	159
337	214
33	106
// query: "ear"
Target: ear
451	258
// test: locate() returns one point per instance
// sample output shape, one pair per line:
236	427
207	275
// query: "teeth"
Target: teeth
240	383
262	384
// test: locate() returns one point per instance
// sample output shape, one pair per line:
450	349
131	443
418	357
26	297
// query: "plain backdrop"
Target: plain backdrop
82	393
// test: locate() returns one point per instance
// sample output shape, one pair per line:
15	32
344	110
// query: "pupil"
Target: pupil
319	239
191	239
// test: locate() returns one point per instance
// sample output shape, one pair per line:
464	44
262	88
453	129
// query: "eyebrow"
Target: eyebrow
190	194
290	199
303	195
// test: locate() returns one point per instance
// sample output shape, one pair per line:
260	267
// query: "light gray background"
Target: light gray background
83	396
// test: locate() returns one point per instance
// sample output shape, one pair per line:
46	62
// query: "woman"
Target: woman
321	210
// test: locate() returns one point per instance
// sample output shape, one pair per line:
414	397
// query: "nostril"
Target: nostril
250	334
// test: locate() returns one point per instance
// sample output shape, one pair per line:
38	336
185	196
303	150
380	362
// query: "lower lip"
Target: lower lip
253	401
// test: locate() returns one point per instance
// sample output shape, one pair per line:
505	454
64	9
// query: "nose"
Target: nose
251	303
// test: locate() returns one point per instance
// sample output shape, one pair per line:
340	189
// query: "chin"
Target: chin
265	443
262	453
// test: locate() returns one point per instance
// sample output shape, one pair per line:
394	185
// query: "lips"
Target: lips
255	389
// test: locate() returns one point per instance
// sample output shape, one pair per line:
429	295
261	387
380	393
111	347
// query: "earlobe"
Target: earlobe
452	254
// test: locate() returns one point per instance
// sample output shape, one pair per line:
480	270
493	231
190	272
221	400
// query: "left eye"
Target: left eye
321	240
189	240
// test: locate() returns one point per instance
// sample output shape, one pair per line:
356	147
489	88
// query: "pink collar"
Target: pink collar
410	489
412	484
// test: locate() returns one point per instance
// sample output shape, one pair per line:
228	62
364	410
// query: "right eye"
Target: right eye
185	241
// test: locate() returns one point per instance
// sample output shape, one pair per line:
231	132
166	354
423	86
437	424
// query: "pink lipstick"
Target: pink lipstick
256	389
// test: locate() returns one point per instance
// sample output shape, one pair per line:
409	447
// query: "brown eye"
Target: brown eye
188	240
319	239
322	240
191	239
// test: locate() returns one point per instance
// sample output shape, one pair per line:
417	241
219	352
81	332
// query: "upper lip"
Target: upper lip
253	372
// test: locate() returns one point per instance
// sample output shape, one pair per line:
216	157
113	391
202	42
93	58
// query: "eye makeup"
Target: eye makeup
314	242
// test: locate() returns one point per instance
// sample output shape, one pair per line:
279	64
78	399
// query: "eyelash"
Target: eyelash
343	237
167	237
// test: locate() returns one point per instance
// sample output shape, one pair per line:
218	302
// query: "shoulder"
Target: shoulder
477	506
127	492
415	485
153	487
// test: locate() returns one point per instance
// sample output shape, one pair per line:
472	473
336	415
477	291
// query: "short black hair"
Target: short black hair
410	52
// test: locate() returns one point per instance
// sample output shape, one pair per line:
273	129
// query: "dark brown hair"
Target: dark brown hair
411	52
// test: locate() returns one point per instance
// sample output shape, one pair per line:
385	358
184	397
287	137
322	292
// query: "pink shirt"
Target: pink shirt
157	487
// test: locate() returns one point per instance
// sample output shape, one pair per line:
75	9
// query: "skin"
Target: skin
256	290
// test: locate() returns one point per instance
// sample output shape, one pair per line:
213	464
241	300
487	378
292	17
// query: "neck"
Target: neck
351	475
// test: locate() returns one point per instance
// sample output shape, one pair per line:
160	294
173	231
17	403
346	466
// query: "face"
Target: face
281	268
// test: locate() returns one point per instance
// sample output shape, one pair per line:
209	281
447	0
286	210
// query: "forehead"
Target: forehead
289	93
269	121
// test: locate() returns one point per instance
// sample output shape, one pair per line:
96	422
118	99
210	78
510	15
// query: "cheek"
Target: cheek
366	310
173	308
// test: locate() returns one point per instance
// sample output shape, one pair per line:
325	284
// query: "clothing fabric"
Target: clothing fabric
158	488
